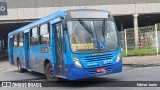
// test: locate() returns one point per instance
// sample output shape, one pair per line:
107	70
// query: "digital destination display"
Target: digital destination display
88	14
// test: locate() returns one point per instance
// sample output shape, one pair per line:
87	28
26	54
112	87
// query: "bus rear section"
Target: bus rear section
78	44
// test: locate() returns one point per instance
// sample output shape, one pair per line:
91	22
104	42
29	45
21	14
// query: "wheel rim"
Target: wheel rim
50	72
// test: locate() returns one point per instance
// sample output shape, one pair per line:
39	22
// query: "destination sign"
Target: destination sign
88	14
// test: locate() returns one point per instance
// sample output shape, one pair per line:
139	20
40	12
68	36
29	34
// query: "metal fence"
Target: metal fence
148	41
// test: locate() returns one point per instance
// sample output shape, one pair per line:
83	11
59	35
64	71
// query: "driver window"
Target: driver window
78	34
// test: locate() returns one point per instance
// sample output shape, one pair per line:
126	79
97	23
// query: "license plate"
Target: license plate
100	70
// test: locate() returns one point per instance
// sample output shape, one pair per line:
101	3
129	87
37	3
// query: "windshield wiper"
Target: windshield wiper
87	28
103	29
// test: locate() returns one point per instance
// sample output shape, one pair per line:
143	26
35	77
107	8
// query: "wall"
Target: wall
34	9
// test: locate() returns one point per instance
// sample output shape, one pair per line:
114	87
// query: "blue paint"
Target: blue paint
81	73
34	59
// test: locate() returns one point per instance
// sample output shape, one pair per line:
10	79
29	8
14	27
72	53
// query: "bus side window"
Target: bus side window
15	40
21	39
34	36
45	34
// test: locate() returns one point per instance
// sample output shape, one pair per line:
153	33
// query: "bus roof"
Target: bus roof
45	19
37	22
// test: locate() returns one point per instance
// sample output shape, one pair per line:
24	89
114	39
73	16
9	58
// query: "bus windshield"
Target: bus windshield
92	35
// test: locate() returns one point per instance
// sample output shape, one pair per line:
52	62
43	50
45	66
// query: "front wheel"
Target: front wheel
50	73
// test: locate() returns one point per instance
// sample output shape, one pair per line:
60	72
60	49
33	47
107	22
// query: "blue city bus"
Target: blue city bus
70	43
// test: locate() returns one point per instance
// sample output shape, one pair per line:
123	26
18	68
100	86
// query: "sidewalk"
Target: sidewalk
2	68
3	61
142	60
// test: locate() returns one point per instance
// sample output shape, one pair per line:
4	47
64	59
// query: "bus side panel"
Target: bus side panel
45	56
10	51
15	56
35	58
22	57
48	55
18	54
38	57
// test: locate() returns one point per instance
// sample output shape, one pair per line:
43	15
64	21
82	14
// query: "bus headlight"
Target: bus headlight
118	57
77	62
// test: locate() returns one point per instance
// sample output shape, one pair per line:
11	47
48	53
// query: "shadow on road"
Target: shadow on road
91	82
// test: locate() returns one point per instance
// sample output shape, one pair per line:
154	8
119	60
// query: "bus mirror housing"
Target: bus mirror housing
61	17
64	25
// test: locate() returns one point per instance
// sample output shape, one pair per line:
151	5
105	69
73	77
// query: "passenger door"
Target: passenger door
60	67
26	49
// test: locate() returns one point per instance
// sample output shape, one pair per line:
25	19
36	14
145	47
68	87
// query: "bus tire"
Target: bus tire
20	69
50	73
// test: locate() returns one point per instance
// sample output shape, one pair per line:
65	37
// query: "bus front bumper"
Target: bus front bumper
81	73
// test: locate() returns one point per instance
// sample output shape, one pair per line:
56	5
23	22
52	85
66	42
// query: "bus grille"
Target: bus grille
98	57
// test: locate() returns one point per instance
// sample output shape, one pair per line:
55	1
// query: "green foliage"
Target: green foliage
140	52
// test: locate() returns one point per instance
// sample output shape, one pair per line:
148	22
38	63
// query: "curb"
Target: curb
141	65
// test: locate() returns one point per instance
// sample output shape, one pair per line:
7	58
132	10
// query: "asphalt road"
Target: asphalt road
128	74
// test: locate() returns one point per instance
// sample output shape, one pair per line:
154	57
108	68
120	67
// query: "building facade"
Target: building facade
127	13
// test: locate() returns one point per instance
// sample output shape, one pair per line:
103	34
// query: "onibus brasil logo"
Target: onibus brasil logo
21	84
